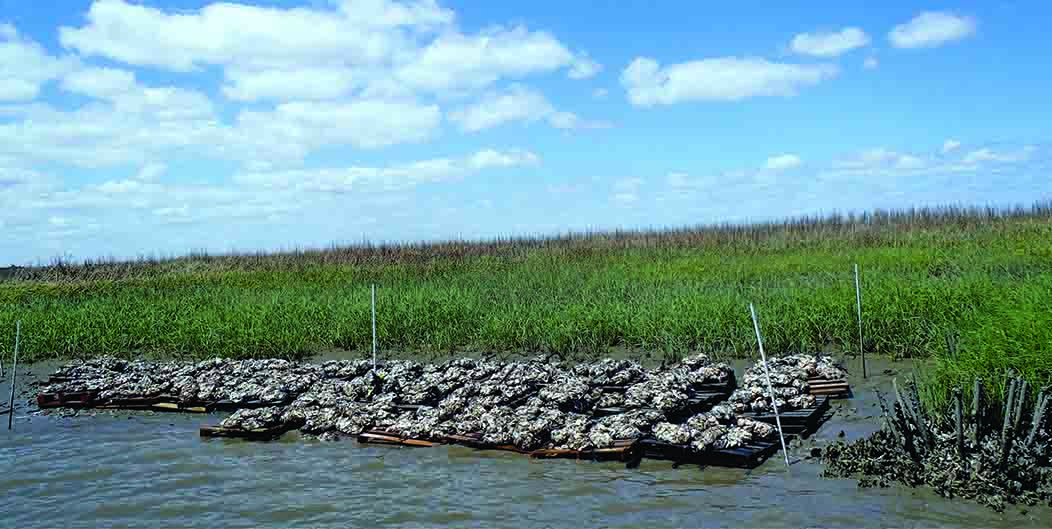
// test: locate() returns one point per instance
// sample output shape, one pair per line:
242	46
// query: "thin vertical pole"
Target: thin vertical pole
770	388
373	327
858	304
14	371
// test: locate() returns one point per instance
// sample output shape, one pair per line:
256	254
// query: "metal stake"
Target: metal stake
858	304
14	372
374	328
770	388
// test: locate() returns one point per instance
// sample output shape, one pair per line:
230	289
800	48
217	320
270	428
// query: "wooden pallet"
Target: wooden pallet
803	421
834	389
625	450
78	399
258	434
751	455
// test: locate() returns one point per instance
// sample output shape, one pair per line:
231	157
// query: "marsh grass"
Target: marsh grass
983	273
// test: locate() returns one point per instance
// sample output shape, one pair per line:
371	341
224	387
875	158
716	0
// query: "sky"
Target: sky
155	128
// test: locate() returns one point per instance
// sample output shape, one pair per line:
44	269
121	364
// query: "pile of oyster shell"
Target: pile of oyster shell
789	376
530	404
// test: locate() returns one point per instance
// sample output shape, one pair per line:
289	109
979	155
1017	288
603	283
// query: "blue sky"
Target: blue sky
158	127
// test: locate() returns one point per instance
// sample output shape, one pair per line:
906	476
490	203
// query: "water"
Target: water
153	470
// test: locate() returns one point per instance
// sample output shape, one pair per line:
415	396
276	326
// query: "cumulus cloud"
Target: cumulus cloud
829	43
950	146
285	54
302	83
719	79
490	158
457	62
227	33
987	154
25	66
783	162
584	67
930	29
518	103
360	123
102	83
879	158
392	178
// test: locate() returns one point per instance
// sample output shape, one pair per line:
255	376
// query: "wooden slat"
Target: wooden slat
623	450
377	438
838	388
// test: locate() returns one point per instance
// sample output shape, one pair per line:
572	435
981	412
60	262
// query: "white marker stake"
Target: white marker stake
858	300
14	368
374	328
770	388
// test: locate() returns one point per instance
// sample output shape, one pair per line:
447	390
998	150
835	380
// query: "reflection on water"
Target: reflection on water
143	470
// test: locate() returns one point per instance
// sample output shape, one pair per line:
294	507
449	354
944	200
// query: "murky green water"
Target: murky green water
152	470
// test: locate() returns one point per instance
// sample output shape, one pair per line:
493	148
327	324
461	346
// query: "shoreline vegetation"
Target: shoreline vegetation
970	287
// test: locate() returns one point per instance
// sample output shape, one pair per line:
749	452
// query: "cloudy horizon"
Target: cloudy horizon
161	127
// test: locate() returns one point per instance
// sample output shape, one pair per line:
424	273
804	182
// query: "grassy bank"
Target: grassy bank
985	275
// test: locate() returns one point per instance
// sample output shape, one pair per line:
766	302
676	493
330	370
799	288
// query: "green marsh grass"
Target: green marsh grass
985	274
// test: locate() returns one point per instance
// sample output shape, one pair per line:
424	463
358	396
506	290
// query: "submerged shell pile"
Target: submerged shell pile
530	404
789	376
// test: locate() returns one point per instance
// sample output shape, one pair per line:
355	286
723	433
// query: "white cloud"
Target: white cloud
875	158
518	103
25	66
908	161
987	154
490	158
393	178
459	62
121	187
102	83
719	79
151	172
882	162
930	29
871	63
584	67
783	162
301	127
367	32
384	47
829	44
134	127
309	83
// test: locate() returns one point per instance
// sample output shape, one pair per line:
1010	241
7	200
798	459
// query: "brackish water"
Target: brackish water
152	470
